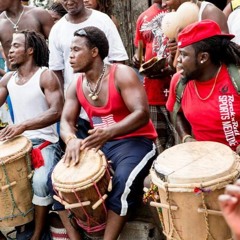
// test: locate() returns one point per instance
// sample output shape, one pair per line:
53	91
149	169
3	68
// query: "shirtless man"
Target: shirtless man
17	17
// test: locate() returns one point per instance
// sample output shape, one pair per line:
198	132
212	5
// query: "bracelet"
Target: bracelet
70	138
185	138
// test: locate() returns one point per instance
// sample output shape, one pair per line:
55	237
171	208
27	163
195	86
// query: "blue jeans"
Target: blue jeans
51	155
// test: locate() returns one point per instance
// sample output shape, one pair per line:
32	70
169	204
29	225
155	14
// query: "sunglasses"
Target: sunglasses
81	33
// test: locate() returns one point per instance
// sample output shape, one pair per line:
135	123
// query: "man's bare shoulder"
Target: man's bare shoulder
49	78
211	8
5	79
36	12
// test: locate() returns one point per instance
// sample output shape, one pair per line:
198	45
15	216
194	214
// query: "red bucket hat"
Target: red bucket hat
199	31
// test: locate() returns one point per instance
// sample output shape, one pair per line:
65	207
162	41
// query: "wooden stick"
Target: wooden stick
3	188
211	212
100	201
73	205
30	175
162	205
110	185
77	205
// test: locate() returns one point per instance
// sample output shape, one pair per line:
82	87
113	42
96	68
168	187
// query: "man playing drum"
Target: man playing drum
116	104
37	101
210	103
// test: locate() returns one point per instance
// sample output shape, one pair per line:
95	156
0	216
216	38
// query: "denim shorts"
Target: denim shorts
51	155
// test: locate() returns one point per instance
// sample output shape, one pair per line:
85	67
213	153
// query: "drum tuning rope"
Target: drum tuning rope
170	235
206	216
14	204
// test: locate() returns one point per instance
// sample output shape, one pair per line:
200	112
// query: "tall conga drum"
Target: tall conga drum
190	177
16	193
83	188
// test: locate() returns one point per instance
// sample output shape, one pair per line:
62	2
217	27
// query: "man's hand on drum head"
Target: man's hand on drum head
72	152
11	131
230	206
98	136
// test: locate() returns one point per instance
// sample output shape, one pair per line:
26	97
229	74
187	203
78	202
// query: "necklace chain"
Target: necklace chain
15	25
213	87
94	92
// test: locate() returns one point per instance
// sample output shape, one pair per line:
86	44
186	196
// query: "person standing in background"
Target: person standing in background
148	30
79	16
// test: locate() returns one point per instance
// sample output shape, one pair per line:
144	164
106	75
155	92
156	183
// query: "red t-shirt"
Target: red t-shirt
215	119
148	29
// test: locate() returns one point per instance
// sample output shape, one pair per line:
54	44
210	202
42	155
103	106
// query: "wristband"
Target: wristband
70	138
185	138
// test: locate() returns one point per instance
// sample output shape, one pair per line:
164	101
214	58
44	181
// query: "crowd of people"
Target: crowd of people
69	89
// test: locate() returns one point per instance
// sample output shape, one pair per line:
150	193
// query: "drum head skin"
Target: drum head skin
14	148
89	170
195	162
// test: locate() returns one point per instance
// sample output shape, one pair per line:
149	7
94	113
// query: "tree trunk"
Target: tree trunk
127	12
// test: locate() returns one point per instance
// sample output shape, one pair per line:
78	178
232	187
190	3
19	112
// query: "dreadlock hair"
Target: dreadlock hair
220	49
38	43
95	38
105	6
58	8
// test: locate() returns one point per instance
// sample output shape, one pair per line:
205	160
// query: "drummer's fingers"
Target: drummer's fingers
4	131
76	156
227	202
237	182
233	190
66	159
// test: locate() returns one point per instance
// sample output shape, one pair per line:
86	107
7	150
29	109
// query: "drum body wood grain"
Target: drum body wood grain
190	177
15	182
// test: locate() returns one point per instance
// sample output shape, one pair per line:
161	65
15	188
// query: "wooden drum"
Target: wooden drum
190	177
15	182
83	189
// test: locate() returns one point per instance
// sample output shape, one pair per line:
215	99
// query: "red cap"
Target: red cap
199	31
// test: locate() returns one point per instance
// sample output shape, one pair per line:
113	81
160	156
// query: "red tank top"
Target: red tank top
114	110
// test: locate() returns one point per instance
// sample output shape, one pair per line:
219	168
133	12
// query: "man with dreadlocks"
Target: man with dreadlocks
210	103
37	101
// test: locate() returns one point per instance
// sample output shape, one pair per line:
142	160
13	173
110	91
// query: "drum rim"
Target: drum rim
218	183
212	181
22	152
69	187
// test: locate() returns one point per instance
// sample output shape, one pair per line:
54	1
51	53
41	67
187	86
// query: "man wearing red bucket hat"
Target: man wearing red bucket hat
208	74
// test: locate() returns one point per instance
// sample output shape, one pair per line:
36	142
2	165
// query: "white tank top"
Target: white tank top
29	101
202	7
